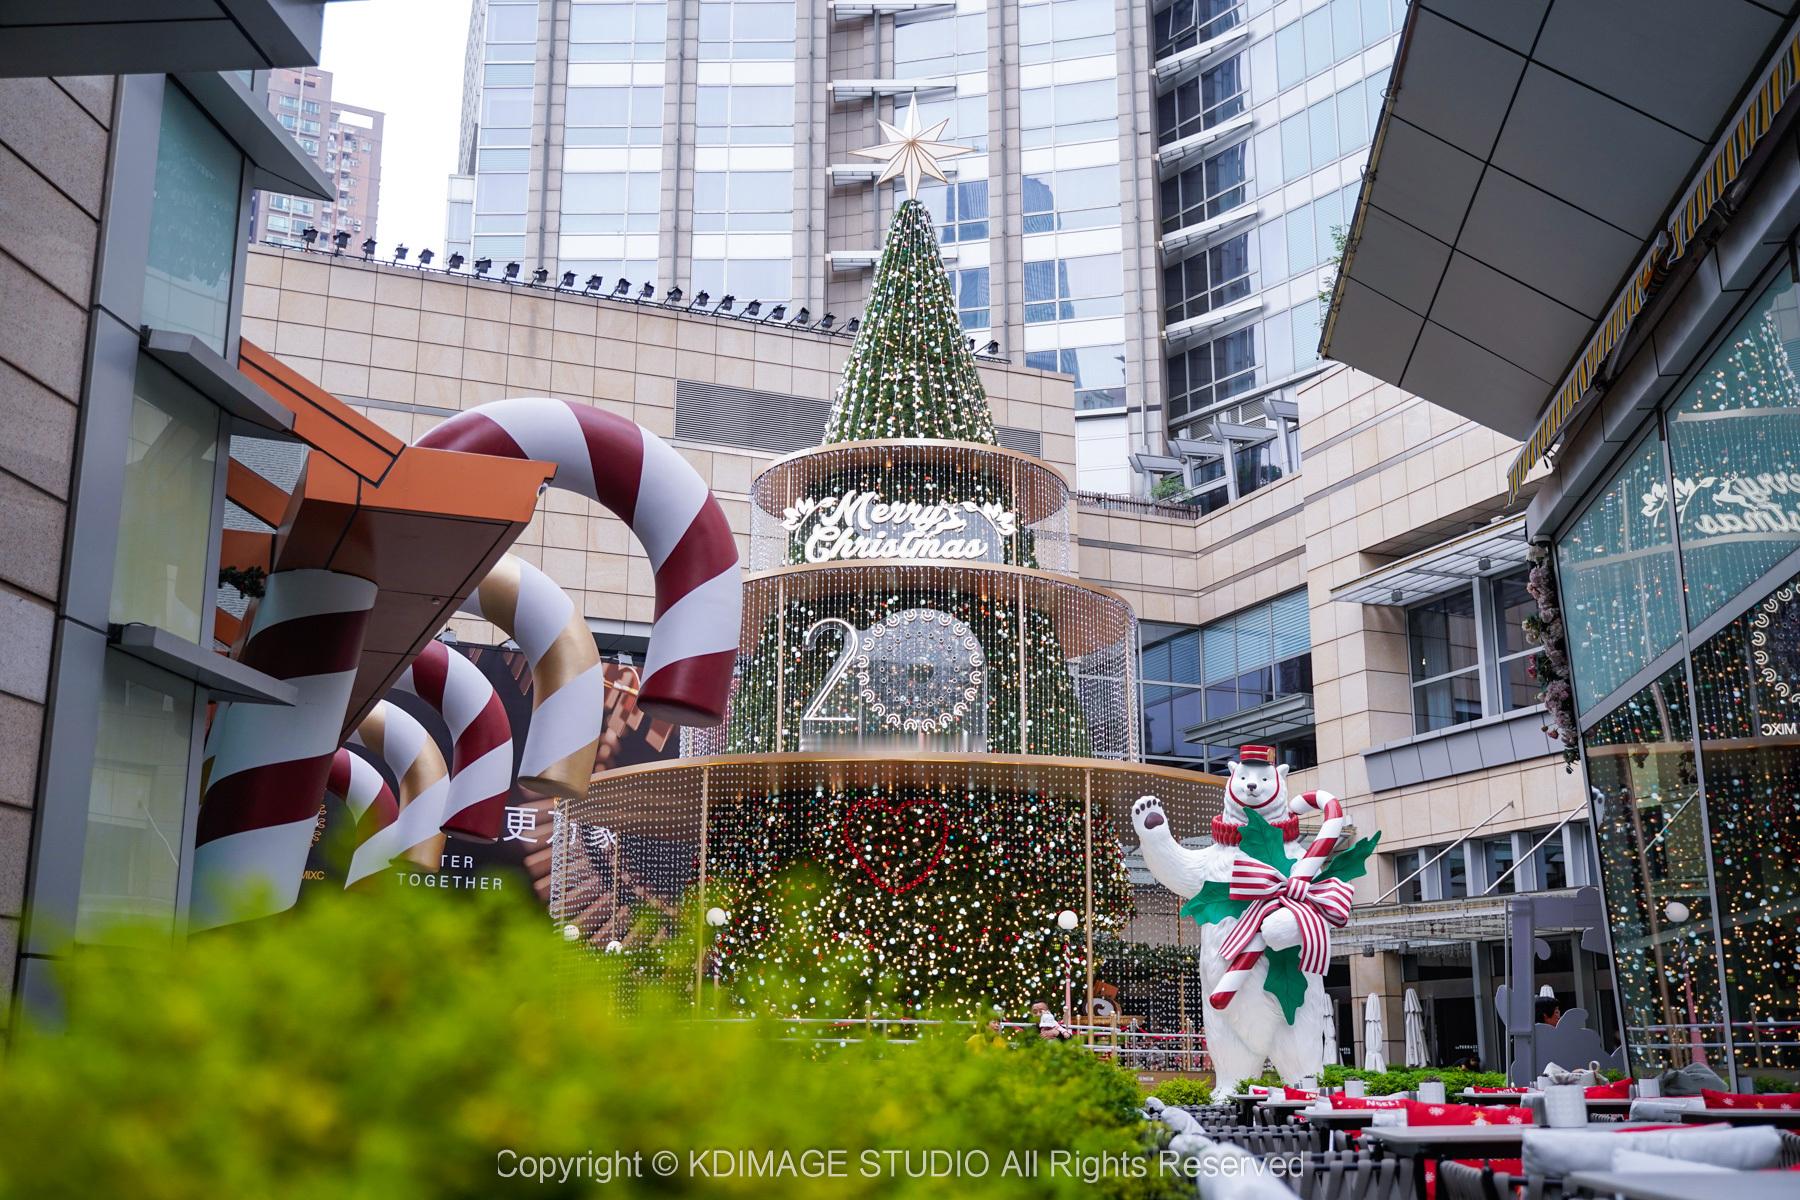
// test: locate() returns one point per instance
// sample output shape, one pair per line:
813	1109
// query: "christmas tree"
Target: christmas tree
910	374
923	894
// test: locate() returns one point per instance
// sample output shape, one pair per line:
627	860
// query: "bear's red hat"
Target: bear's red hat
1256	754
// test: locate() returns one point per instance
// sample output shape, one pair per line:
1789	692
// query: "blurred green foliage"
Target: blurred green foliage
1183	1091
393	1046
1386	1083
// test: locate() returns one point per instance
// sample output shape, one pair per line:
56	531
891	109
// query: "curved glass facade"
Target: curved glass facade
1681	592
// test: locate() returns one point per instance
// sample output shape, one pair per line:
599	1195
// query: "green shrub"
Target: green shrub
393	1047
1181	1090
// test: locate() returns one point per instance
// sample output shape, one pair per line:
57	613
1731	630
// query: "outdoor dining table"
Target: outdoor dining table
1428	1143
1281	1112
1786	1118
1344	1119
1468	1097
1664	1185
1246	1105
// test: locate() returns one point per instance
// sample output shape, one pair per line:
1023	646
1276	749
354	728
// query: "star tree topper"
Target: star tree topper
912	152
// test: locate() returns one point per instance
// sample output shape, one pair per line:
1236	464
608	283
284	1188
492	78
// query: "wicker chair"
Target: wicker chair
1459	1181
1354	1175
1264	1140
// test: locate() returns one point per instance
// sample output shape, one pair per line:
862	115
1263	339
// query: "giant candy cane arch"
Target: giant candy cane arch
371	805
394	736
671	511
481	749
568	694
267	766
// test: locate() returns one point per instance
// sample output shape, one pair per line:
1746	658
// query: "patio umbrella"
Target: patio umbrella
1373	1037
1331	1042
1417	1055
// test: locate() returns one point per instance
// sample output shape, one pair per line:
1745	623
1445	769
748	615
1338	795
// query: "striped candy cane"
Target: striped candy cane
370	803
568	694
481	752
634	473
1315	905
266	765
396	738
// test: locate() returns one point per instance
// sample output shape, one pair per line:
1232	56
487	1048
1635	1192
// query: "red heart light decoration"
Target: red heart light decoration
873	822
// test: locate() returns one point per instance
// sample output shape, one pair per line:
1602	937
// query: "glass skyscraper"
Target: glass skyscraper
1153	206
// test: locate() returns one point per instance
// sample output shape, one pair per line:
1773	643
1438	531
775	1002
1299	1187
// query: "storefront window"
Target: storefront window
1747	704
1734	444
130	862
193	224
1616	565
1650	831
161	575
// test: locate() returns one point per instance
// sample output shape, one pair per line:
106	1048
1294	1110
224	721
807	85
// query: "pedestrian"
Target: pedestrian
1048	1026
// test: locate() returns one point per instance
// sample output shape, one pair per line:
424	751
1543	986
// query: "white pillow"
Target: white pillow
1557	1152
1662	1164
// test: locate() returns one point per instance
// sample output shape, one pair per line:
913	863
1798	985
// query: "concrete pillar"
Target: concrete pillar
1381	975
1481	972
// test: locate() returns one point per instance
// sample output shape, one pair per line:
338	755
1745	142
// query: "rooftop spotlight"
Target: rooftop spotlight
991	348
971	345
512	270
778	312
309	235
801	317
483	265
368	248
726	303
828	320
568	279
853	324
621	287
699	301
341	239
540	277
674	296
425	257
592	285
645	292
752	308
400	252
456	261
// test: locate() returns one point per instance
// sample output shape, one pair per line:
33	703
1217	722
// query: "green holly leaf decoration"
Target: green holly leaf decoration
1213	903
1262	841
1285	981
1351	862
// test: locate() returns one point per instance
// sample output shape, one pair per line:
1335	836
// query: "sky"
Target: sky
405	58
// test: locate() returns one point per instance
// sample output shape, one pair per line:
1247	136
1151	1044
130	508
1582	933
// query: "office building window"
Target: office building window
746	278
745	201
193	224
611	202
968	117
1078	198
960	210
1065	113
1189	23
614	116
1469	654
744	115
618	32
747	29
1214	278
1205	190
1069	289
970	287
137	801
1199	104
1213	372
1065	29
936	43
1099	373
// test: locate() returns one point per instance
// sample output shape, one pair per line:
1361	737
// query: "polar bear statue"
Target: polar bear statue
1245	1024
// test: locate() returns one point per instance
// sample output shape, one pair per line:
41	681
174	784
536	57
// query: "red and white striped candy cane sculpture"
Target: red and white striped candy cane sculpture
394	736
370	802
671	511
481	750
266	765
1314	905
568	694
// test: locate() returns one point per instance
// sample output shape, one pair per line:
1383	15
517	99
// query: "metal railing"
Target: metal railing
1105	502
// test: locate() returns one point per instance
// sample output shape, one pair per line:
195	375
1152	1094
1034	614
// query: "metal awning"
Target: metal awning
1187	64
1490	550
1430	923
1170	159
1266	722
1524	162
137	37
1189	239
869	89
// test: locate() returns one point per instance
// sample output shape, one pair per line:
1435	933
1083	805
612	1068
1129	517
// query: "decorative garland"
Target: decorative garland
1550	666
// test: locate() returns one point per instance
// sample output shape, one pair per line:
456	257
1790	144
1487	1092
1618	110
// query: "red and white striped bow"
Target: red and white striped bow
1317	905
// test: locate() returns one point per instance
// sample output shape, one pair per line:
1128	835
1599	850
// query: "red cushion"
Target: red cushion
1617	1090
1300	1094
1362	1102
1497	1091
1418	1112
1776	1100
